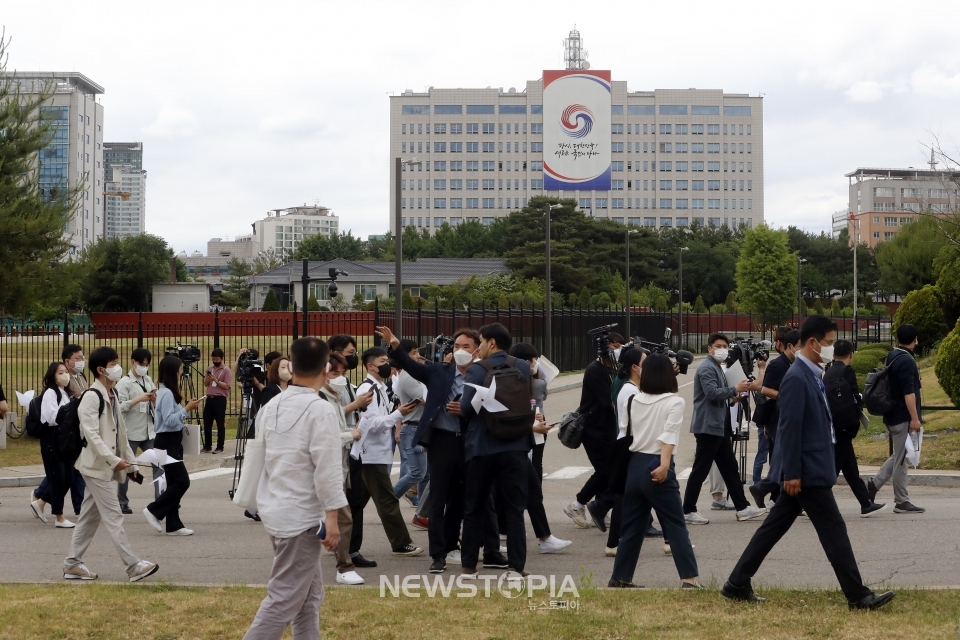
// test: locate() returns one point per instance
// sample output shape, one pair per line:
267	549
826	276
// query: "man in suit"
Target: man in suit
441	432
804	444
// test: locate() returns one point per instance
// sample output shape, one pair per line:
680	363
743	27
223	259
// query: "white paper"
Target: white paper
546	370
485	398
734	374
25	397
158	457
356	449
912	452
161	482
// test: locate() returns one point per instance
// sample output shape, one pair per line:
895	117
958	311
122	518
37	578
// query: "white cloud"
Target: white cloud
865	91
173	121
930	80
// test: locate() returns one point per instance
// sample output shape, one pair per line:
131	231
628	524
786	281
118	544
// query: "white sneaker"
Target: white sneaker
667	551
37	511
350	577
553	544
503	537
78	572
141	570
750	513
610	552
696	518
579	516
181	532
65	524
453	557
152	519
503	550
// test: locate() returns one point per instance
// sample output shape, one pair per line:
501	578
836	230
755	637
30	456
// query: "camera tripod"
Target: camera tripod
244	431
741	434
188	391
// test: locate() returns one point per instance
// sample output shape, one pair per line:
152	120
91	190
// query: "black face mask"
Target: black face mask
352	361
384	370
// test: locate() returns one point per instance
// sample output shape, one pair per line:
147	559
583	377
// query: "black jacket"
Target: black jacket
595	402
905	377
439	378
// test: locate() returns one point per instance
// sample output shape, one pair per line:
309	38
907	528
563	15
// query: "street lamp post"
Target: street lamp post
856	241
548	307
680	294
627	313
398	267
800	261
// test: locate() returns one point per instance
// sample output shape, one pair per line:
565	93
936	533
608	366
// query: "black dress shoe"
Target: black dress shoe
495	561
359	561
622	584
253	516
745	594
126	510
758	496
597	515
653	532
873	601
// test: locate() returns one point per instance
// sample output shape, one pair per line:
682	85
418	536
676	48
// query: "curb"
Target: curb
951	481
34	481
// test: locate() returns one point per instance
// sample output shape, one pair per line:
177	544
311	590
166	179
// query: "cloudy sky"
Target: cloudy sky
246	106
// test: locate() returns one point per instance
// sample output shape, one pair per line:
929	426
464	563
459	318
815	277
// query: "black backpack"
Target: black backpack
842	402
878	395
34	427
513	392
70	441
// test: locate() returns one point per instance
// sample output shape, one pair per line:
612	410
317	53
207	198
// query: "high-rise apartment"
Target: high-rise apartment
129	153
126	201
74	156
283	229
678	156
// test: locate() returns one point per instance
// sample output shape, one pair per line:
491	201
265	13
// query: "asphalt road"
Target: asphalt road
921	550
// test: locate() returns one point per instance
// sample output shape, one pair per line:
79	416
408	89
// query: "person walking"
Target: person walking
217	381
413	470
103	463
170	424
654	416
807	473
137	394
59	475
301	487
903	421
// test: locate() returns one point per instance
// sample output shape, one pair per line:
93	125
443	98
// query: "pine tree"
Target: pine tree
271	302
699	306
585	297
312	303
730	306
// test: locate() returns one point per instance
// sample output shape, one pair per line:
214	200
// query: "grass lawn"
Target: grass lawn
161	612
942	452
20	452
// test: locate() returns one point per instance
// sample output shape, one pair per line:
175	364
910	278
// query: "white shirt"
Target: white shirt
49	407
655	419
375	445
302	476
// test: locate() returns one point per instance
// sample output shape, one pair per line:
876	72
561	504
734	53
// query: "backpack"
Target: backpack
70	441
513	392
34	427
878	395
842	403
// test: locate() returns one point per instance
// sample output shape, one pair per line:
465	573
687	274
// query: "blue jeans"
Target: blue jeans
415	469
640	495
763	449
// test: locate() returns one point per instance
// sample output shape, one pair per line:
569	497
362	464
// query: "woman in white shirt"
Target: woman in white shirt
654	417
59	475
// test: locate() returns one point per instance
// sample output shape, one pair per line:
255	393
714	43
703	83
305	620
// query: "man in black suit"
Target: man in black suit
805	440
441	432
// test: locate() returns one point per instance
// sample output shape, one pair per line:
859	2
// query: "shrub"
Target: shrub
947	367
866	360
835	308
818	307
699	306
923	309
312	303
271	302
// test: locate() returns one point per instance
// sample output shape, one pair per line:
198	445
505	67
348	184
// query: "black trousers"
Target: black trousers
846	460
599	447
167	506
214	408
821	506
538	515
712	449
770	484
538	458
59	476
357	498
507	473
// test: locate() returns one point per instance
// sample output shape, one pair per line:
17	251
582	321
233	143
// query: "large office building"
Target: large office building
883	200
126	201
128	153
74	156
677	155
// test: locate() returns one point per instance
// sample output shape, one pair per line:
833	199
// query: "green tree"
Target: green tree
835	308
766	273
818	307
907	261
923	309
604	301
584	300
271	302
730	305
323	248
312	303
947	367
127	268
32	221
699	306
236	290
266	261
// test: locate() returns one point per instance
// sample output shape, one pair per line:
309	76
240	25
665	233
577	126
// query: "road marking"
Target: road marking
686	385
210	473
685	474
566	473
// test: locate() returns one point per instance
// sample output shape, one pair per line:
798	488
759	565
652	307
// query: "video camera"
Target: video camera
248	366
437	350
682	357
188	354
601	340
747	352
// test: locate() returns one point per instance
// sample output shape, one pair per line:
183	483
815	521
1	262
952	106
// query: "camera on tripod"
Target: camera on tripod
248	366
436	351
188	353
747	352
682	357
601	340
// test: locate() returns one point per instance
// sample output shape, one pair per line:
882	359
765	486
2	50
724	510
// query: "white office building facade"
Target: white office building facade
678	157
126	201
283	229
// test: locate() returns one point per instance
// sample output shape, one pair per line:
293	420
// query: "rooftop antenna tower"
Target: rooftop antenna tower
933	161
573	54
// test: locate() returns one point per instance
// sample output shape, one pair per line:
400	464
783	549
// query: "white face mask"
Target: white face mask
534	368
284	374
616	353
63	379
140	370
720	355
826	353
114	373
462	357
337	383
78	366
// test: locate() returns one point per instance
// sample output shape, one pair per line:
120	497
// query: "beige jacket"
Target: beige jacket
100	457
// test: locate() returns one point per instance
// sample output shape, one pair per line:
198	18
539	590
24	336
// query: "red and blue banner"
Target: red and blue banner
576	130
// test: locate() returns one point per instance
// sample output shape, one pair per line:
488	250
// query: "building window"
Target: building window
616	185
666	203
489	165
586	203
488	128
713	203
616	109
473	127
616	128
368	291
616	165
481	109
666	129
415	110
617	203
682	203
472	203
537	147
456	203
666	185
473	165
673	109
456	127
697	203
439	203
736	111
713	167
666	166
640	110
682	185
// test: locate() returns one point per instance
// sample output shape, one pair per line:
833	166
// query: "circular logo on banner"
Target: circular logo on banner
511	585
577	121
